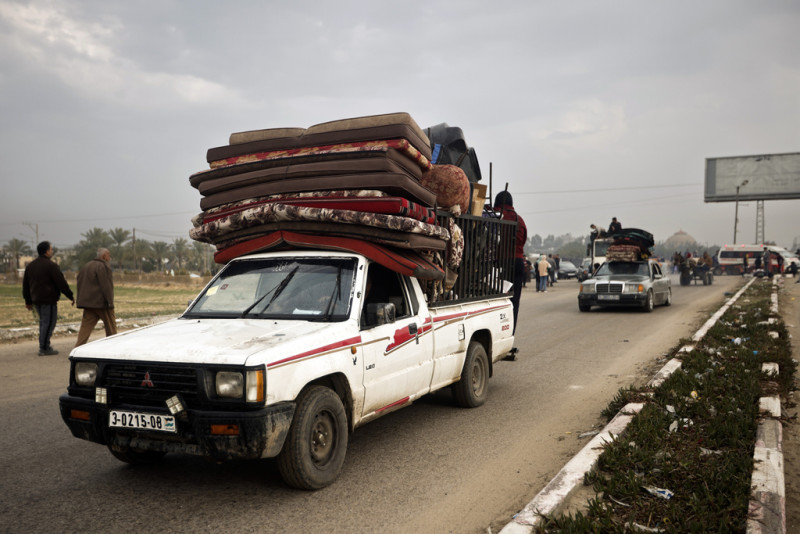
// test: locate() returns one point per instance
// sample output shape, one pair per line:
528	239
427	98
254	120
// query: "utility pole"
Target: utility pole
35	228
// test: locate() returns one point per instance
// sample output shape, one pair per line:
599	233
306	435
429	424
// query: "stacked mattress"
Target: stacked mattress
630	244
353	184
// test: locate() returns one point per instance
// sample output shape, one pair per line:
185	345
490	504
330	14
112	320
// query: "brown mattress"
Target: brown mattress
405	240
396	157
404	261
393	183
305	170
322	138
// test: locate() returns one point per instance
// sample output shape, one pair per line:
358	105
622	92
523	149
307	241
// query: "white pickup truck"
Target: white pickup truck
283	354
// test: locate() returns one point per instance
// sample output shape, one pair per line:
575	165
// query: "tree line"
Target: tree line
128	253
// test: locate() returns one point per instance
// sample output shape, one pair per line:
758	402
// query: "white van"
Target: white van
730	258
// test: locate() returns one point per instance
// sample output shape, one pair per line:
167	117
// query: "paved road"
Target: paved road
431	467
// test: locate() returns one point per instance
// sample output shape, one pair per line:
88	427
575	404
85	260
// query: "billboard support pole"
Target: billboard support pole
736	215
760	221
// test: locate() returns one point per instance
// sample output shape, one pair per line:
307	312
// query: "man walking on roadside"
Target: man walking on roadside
42	286
96	296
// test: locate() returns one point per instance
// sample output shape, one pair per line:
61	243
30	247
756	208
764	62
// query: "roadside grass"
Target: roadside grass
130	301
695	436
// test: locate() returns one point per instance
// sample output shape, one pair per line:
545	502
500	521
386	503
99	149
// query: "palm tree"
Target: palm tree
180	247
86	249
120	236
160	249
201	256
15	248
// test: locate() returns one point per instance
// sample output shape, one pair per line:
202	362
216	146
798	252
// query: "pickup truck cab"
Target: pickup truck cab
639	284
282	355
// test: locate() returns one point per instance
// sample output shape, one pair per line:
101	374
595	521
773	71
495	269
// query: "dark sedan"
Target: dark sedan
566	270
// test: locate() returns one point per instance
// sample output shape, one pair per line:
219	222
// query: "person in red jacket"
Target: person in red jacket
42	286
504	203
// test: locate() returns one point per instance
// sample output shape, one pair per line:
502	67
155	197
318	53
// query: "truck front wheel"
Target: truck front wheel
314	451
473	388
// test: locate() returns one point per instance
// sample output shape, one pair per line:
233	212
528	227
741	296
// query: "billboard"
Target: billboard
765	177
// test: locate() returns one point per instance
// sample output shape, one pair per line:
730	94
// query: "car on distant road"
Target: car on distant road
566	270
626	284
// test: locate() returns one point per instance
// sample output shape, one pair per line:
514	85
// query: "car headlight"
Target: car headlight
85	373
588	288
230	384
634	288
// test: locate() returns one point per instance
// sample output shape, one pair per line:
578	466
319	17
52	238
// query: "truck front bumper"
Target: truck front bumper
218	435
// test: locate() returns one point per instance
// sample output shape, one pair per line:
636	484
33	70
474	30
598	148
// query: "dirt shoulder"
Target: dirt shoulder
789	304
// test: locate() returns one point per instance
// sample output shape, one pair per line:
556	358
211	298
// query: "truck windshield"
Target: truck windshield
623	267
280	288
601	247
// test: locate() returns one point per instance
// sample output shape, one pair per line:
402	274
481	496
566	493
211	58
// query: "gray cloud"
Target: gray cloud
109	106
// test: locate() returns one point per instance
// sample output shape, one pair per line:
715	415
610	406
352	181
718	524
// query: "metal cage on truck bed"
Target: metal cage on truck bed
487	263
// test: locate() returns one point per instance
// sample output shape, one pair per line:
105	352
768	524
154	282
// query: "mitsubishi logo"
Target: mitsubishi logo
147	382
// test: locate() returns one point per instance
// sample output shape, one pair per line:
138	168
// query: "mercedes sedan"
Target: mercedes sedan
639	284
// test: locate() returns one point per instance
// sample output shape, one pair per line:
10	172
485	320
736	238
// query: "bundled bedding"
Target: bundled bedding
365	185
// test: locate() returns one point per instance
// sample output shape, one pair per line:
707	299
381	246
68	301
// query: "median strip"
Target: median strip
685	460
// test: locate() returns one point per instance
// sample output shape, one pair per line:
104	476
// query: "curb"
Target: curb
32	332
767	508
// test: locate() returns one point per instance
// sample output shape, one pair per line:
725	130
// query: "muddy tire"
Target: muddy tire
134	456
473	388
668	300
314	451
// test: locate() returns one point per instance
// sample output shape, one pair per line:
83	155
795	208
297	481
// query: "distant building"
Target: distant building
679	241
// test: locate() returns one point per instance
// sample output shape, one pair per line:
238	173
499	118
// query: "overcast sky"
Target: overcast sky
588	109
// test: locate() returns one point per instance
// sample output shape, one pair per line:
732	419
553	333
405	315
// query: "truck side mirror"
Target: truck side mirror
380	313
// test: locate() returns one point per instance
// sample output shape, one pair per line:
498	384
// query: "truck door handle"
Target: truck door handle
413	329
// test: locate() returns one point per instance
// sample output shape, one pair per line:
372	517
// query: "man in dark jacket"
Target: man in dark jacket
96	296
42	286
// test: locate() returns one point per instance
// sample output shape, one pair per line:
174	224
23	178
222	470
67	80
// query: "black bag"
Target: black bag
450	148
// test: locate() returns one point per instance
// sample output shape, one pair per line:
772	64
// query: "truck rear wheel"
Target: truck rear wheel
134	456
473	388
314	451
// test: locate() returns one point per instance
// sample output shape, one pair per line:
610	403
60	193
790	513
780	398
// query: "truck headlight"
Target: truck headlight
85	373
634	288
588	288
230	384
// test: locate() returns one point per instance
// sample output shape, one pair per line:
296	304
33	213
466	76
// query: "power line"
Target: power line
582	190
607	205
114	218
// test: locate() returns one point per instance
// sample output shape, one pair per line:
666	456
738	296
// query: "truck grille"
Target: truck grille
149	384
609	288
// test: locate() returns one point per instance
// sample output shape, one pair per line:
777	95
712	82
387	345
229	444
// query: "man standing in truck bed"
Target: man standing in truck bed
505	205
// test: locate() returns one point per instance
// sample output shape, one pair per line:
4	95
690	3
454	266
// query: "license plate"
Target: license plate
607	297
142	421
